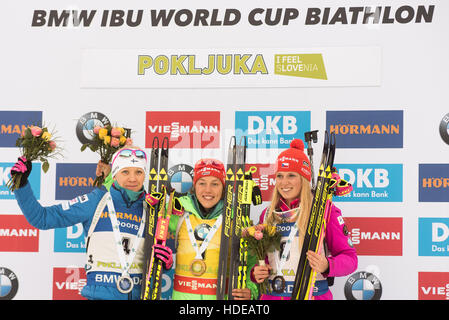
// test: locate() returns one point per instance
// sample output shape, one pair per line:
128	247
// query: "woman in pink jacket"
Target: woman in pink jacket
289	211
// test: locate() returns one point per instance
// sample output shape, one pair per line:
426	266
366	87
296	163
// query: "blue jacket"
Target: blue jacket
103	265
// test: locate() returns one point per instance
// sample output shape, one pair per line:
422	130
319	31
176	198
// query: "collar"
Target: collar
129	196
283	206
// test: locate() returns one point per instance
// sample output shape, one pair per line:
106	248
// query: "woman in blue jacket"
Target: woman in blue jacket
113	222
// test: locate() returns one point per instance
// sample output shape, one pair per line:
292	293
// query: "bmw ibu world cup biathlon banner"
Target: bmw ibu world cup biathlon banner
199	72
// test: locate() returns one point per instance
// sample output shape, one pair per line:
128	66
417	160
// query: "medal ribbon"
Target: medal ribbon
210	234
125	262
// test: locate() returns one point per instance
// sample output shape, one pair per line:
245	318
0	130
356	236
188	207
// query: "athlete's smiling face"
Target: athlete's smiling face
208	191
289	185
130	178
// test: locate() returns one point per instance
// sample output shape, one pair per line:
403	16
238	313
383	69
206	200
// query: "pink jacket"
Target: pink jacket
342	256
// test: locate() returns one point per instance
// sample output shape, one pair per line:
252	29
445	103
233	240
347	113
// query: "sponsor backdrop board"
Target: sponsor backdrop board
375	75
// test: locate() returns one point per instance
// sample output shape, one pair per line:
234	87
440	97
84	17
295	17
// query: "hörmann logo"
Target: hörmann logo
434	182
73	179
366	129
13	123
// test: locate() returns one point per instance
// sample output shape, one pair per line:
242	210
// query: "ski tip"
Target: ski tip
165	143
243	141
155	144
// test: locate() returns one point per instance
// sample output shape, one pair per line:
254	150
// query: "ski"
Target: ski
160	238
154	205
226	229
304	277
237	216
251	194
320	225
309	137
240	192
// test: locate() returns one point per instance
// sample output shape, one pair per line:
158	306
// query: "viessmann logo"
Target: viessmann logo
185	129
17	235
264	177
376	236
433	285
68	283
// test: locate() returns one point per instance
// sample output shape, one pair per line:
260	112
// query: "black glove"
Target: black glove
22	167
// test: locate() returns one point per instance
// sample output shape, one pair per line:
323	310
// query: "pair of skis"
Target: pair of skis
322	201
240	192
158	214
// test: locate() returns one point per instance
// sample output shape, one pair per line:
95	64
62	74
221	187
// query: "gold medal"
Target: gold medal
198	267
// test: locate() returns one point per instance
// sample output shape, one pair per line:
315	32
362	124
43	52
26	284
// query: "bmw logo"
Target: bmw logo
363	286
181	179
444	128
8	284
201	231
86	124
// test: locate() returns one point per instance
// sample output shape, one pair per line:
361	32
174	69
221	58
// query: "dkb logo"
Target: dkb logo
271	129
433	236
372	182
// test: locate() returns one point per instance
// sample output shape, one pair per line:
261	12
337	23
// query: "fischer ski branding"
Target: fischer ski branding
226	230
240	191
328	184
158	216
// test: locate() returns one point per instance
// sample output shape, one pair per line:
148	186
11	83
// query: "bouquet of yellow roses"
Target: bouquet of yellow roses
106	141
36	144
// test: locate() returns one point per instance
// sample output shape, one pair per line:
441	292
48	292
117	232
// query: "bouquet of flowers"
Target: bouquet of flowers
36	144
106	141
261	239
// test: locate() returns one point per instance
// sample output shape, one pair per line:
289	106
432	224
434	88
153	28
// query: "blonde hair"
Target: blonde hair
305	198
